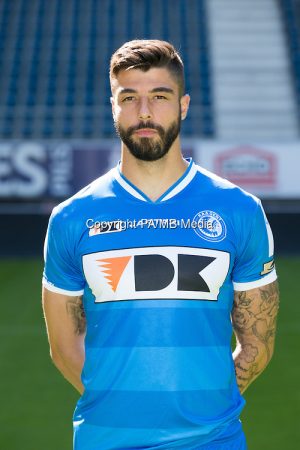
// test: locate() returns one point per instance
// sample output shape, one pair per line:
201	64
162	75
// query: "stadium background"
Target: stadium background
242	61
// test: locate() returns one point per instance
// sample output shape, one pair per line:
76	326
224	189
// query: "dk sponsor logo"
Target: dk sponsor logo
156	273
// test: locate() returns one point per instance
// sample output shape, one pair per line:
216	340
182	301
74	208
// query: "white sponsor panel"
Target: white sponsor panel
118	274
58	169
265	169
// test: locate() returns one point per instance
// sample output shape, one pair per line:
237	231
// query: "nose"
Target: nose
144	110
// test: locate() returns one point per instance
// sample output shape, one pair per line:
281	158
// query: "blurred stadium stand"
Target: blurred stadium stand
55	56
254	98
242	62
291	17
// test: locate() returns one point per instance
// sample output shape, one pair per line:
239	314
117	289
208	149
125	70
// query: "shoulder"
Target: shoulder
82	201
233	195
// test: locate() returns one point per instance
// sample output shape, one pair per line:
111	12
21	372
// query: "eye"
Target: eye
160	97
129	98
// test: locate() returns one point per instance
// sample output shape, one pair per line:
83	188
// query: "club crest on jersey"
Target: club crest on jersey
211	226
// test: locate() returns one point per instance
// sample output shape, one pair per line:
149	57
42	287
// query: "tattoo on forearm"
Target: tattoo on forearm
76	311
250	353
254	316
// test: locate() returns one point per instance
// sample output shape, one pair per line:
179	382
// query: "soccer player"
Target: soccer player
147	272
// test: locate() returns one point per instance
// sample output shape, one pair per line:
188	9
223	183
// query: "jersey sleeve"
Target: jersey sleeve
254	265
62	272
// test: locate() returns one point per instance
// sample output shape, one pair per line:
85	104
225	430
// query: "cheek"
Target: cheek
169	112
124	115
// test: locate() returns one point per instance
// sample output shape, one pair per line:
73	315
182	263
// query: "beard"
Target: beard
149	149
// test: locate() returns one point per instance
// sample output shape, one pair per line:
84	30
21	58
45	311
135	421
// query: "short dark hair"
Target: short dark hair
144	54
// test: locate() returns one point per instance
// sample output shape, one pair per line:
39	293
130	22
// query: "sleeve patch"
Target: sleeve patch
267	267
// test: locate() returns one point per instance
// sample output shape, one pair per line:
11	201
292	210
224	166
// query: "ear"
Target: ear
184	105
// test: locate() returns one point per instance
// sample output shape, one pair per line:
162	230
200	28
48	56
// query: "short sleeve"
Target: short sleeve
254	265
62	272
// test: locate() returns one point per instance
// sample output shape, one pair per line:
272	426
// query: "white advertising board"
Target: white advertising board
39	170
267	170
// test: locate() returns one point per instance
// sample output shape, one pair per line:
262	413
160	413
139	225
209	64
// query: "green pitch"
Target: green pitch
37	404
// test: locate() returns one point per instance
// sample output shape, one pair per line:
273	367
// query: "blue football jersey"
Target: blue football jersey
157	279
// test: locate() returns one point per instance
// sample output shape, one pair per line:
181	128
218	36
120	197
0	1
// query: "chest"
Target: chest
177	252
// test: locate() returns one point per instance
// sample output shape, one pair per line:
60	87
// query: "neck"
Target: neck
153	178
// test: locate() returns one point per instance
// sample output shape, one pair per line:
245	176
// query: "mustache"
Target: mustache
149	125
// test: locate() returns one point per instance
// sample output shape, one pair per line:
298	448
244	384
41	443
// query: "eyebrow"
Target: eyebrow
162	89
153	91
127	91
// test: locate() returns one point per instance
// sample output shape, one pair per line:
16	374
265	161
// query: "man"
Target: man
147	269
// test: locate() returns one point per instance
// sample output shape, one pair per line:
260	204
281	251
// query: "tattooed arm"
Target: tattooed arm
254	322
65	321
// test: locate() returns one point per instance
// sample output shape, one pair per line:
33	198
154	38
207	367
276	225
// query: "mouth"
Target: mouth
145	132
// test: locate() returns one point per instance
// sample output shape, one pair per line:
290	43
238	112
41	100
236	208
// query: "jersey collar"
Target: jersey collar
173	190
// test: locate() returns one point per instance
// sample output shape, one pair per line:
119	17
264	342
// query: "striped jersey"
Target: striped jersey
157	280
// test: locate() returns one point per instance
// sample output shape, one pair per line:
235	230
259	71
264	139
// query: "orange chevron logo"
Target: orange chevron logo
113	269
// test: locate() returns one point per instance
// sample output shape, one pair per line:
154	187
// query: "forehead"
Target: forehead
142	81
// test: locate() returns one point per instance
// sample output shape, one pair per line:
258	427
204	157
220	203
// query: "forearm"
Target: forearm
66	328
250	361
254	323
70	364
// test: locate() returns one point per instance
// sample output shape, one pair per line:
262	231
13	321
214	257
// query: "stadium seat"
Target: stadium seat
27	132
69	50
291	17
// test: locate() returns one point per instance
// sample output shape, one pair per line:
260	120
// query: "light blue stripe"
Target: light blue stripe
93	437
158	368
203	410
158	327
